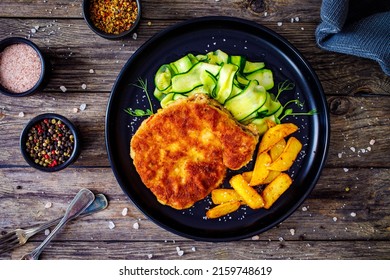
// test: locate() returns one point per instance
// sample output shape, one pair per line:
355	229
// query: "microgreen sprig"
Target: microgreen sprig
142	84
290	112
286	85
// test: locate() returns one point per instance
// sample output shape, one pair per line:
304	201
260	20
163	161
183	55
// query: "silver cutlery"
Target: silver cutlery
79	203
20	236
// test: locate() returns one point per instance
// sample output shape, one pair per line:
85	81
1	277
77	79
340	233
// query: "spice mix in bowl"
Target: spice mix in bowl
50	142
22	67
113	19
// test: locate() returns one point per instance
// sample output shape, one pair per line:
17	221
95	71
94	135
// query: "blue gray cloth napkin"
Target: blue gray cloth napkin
356	27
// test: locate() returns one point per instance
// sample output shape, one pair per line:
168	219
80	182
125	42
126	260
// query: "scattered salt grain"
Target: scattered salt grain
280	23
124	211
111	225
296	19
256	237
193	249
369	149
150	256
135	36
281	239
83	86
304	208
352	149
47	232
345	169
340	155
48	205
353	214
292	231
334	219
75	110
372	142
136	225
83	107
21	114
33	30
91	71
265	14
63	88
302	28
179	252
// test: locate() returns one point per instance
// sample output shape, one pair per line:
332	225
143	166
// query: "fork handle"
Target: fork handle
80	202
98	204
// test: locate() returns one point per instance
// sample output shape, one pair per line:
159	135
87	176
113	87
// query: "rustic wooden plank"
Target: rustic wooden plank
90	123
307	10
244	250
72	60
343	206
339	74
345	217
351	117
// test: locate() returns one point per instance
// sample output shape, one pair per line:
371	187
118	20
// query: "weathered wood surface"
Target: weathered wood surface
347	216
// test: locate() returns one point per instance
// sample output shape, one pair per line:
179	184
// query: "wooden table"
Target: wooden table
347	216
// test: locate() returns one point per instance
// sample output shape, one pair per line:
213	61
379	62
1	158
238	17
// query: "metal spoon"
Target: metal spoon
79	203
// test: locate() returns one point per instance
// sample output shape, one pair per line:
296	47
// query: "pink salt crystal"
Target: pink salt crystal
20	68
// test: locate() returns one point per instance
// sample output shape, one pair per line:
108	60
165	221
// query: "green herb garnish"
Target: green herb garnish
286	85
139	112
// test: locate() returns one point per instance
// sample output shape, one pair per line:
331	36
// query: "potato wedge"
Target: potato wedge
277	149
288	156
275	189
219	196
270	123
260	171
249	195
247	175
271	176
222	209
275	134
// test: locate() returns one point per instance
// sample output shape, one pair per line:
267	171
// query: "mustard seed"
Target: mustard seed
113	17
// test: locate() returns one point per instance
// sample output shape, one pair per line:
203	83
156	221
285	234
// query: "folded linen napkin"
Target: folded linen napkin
356	27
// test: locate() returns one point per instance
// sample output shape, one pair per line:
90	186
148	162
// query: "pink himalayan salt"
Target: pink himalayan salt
20	68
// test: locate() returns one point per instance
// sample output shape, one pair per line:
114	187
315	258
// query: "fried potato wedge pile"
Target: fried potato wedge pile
277	152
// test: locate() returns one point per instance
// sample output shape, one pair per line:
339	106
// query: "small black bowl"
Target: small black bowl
33	124
87	17
44	69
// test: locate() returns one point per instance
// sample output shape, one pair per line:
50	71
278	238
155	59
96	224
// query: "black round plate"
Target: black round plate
234	36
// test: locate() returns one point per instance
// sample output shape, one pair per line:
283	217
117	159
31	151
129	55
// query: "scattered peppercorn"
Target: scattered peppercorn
49	143
113	16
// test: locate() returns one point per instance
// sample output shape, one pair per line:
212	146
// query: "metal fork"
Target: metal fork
18	237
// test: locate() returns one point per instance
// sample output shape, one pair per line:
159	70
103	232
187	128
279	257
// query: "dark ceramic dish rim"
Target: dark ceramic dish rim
68	123
86	15
173	43
19	40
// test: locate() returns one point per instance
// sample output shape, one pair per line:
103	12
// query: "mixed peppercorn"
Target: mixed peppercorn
49	143
113	16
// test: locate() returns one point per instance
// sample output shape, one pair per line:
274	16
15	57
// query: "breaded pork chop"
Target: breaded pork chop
183	151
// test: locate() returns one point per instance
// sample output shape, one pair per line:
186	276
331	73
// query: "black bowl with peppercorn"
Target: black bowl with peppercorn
49	142
112	19
23	67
